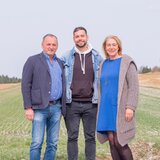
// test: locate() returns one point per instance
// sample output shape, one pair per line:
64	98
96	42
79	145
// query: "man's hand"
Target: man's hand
129	114
29	113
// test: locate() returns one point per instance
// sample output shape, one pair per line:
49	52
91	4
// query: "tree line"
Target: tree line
146	69
6	79
142	69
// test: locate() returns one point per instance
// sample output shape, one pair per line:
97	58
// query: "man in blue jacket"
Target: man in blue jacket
81	71
43	89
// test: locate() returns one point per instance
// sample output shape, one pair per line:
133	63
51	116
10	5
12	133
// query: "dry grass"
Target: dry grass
8	85
150	80
141	151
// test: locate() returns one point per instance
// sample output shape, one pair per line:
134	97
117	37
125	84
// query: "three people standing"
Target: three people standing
48	91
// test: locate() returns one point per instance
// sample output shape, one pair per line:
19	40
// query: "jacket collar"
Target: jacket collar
94	52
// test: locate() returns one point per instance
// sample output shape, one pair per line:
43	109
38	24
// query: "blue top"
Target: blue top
109	94
56	78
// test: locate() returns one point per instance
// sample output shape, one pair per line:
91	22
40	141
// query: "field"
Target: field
15	130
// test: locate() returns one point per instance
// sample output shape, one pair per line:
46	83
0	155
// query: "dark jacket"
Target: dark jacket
36	83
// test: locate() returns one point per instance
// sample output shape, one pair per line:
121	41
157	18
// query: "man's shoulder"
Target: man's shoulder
59	60
95	52
97	55
67	55
35	56
32	59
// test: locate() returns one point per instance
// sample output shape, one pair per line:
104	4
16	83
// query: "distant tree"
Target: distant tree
140	69
145	69
156	69
6	79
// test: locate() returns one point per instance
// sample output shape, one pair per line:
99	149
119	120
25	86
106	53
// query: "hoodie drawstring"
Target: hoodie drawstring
83	62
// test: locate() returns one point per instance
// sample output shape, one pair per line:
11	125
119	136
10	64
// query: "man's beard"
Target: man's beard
81	46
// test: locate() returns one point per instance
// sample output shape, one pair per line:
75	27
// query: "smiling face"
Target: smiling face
112	47
80	38
50	45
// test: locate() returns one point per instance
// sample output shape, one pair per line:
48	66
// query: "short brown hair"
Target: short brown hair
79	28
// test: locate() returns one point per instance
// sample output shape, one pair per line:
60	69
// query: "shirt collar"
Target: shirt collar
47	56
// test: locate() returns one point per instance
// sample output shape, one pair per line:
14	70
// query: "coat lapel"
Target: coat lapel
123	70
44	62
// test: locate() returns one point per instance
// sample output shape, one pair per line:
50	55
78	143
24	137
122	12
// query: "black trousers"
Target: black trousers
85	111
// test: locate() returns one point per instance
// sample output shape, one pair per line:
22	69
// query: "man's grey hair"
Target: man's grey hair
49	35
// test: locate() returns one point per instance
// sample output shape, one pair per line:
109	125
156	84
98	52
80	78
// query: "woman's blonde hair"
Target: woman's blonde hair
118	42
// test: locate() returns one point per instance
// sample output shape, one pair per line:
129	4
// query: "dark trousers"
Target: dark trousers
85	111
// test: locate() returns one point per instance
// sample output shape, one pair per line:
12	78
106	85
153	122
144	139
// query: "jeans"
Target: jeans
48	118
75	112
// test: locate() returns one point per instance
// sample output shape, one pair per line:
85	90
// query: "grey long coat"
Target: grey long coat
128	91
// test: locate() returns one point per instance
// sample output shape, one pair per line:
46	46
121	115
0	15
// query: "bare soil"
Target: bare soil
141	151
8	85
150	80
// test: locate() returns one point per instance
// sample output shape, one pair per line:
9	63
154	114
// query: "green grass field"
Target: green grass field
15	130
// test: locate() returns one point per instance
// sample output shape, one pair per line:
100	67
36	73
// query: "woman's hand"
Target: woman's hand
129	114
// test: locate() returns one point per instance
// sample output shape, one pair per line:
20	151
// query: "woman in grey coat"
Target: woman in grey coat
118	99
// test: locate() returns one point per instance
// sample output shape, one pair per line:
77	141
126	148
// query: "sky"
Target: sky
24	23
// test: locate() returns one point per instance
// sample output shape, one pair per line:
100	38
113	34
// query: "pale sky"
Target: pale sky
24	23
